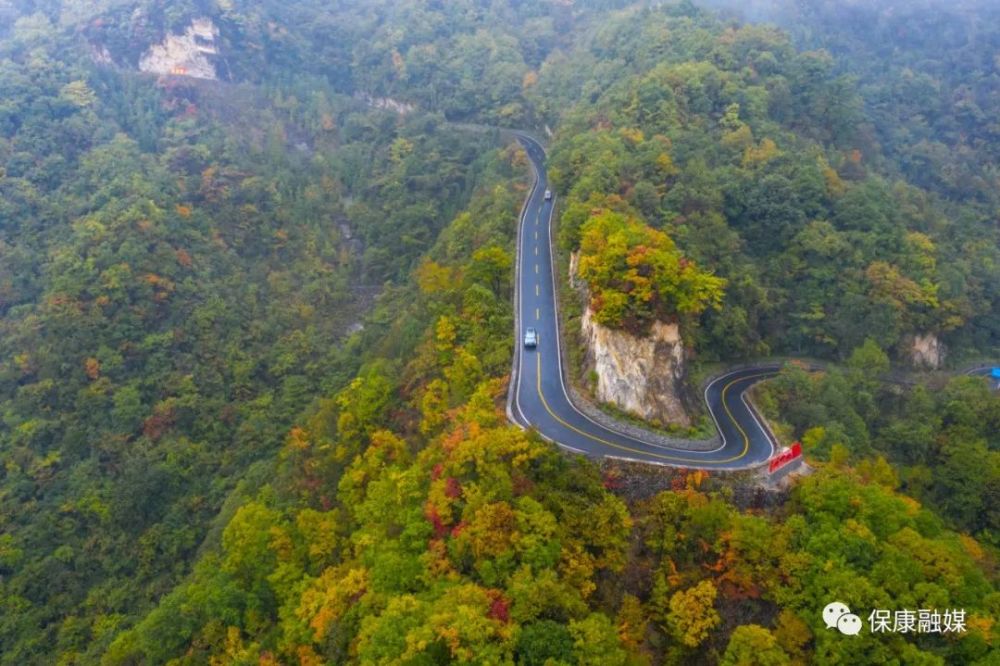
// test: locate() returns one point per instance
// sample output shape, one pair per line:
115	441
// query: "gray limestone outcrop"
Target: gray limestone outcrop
188	54
927	351
640	375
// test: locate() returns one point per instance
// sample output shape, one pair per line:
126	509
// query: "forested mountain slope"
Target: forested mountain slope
759	162
200	465
928	74
179	263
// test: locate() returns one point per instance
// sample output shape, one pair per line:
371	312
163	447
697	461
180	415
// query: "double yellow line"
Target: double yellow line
698	461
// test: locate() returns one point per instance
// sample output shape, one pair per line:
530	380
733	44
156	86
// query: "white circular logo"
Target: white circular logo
832	613
849	624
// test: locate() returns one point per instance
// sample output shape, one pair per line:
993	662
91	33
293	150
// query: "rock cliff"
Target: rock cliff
188	54
387	104
927	351
644	376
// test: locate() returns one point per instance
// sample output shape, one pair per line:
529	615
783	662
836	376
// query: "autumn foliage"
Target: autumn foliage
636	274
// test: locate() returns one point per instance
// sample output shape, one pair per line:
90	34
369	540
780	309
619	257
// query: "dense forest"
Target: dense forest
757	160
255	332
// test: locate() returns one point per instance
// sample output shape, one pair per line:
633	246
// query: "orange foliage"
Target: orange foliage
298	440
492	530
162	286
268	659
437	561
981	625
674	578
330	596
453	439
612	479
972	547
64	303
307	657
696	478
160	422
184	211
183	258
92	367
763	153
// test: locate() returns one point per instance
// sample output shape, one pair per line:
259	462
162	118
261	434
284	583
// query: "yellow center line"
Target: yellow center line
746	439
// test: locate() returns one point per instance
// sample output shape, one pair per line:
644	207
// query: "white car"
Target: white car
548	195
531	338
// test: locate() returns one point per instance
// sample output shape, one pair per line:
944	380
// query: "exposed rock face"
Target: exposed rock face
387	104
927	351
101	55
185	55
643	376
574	265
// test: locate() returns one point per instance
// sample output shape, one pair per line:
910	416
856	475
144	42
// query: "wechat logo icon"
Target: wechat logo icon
838	616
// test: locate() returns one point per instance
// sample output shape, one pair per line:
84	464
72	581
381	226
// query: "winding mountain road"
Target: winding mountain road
539	398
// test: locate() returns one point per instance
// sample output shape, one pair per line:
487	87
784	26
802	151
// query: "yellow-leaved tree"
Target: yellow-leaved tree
636	274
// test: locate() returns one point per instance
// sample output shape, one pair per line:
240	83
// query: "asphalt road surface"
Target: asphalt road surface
984	371
539	398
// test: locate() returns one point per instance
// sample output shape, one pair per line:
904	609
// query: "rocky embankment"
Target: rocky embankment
188	54
640	375
927	352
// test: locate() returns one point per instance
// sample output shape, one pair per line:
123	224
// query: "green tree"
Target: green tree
595	642
753	645
538	642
